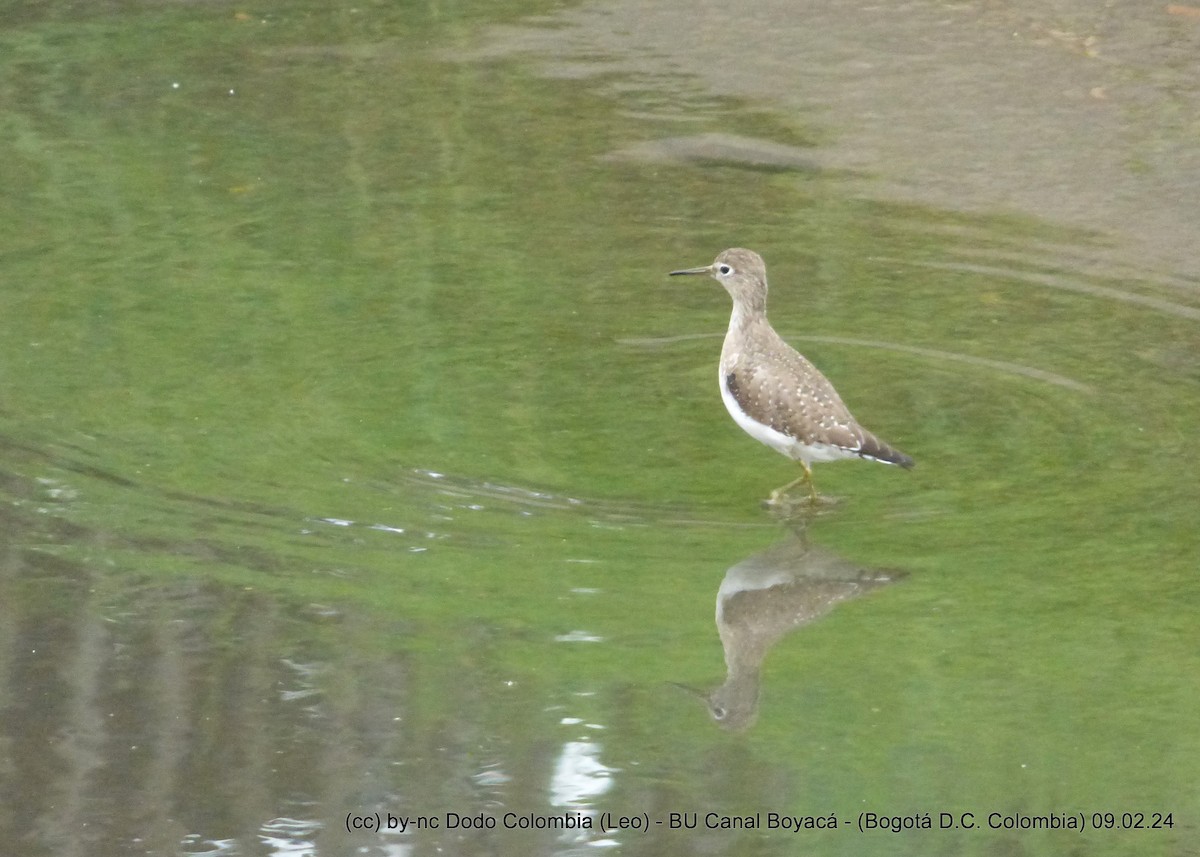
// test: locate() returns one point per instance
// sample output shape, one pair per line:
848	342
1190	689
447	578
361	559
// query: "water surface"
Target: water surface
358	456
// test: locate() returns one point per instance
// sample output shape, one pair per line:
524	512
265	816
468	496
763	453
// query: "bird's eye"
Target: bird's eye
724	270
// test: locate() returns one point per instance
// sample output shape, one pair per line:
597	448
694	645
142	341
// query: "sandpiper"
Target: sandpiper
772	391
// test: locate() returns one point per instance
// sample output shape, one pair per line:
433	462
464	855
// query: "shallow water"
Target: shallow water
358	457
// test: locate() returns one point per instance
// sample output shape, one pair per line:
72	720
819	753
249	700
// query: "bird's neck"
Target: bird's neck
747	314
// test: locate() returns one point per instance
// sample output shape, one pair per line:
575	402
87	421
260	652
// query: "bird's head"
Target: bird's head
743	274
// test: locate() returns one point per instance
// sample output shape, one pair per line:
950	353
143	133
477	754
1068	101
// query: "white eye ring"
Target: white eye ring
724	270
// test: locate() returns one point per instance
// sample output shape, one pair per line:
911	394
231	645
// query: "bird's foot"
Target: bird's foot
783	503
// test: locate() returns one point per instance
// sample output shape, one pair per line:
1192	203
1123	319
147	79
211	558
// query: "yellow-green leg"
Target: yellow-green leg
805	477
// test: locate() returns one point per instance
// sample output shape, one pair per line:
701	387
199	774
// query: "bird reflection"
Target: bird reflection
765	597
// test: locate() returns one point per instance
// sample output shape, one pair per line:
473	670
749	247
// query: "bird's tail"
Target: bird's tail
876	450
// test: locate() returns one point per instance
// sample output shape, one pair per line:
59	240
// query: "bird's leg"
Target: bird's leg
805	477
808	480
778	493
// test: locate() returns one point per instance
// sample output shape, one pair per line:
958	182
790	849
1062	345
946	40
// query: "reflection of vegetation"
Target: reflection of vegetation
261	309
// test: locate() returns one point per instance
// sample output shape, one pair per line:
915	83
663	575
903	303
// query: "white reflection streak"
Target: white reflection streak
290	837
579	775
578	637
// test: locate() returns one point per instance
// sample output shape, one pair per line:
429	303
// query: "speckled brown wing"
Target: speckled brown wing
779	387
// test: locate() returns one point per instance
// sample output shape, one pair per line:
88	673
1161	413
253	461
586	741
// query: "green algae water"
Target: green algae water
359	461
